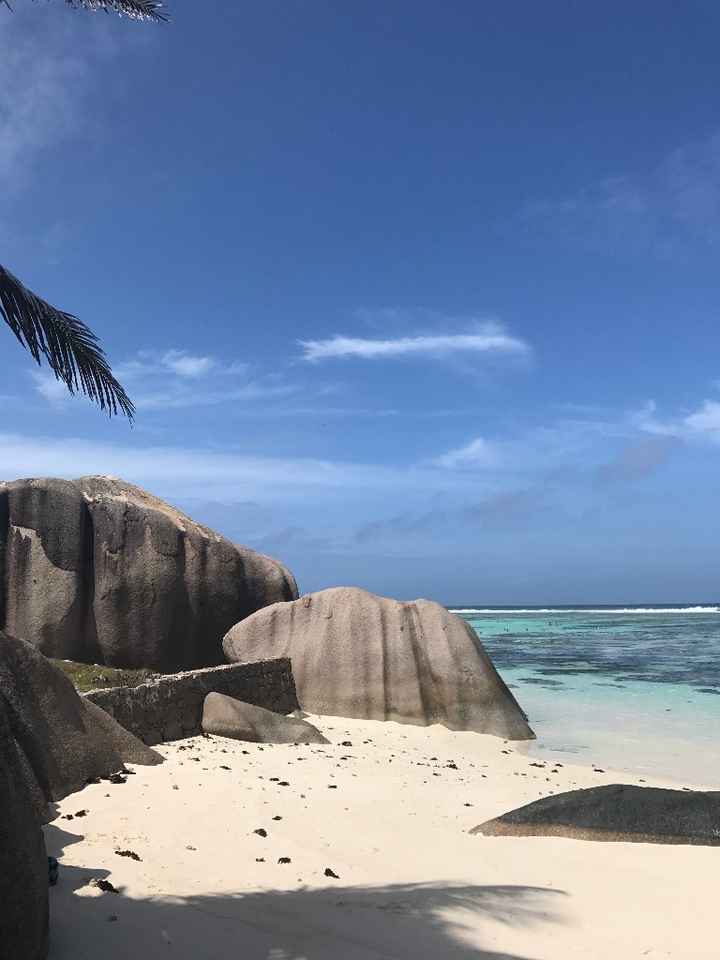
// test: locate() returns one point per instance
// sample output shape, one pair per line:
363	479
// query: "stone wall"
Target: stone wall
170	707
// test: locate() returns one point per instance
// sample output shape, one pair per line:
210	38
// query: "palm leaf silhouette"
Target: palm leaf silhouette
135	9
70	347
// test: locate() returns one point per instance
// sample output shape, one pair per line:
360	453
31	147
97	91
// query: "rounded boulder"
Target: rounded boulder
99	571
355	654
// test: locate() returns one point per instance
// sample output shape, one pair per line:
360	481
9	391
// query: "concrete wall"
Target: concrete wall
170	707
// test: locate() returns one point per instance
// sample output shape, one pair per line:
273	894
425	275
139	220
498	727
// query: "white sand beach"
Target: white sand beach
387	807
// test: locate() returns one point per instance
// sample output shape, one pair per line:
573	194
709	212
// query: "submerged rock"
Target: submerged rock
355	654
226	717
99	571
616	812
66	739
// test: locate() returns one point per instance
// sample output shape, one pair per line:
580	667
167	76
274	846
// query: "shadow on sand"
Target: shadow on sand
422	921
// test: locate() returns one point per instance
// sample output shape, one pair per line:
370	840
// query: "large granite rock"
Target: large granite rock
617	811
66	739
99	571
23	862
358	655
227	717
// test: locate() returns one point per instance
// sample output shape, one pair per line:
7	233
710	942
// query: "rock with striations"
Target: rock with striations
66	739
355	654
23	861
99	571
226	717
619	812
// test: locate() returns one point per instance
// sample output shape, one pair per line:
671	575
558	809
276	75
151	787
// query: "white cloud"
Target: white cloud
645	419
176	379
705	420
699	424
488	338
173	379
183	395
477	454
151	364
37	75
659	210
49	387
186	365
173	471
50	80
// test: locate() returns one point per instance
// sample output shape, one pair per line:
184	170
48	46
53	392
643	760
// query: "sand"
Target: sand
387	808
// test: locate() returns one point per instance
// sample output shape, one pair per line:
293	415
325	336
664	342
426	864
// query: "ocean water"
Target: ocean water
636	688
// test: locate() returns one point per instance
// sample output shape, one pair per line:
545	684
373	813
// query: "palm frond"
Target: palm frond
71	349
135	9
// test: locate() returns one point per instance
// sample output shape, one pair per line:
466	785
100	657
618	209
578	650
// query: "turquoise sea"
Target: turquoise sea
634	687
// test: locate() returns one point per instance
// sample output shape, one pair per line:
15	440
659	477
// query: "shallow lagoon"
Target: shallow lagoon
633	688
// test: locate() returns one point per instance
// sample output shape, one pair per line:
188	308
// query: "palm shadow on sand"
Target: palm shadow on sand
421	921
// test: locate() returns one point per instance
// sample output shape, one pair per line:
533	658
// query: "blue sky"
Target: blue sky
420	297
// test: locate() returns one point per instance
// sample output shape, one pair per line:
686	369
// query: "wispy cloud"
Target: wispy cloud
47	90
609	447
637	460
507	508
187	472
175	379
702	423
51	389
147	364
487	338
705	420
502	509
38	74
178	396
474	455
657	210
186	365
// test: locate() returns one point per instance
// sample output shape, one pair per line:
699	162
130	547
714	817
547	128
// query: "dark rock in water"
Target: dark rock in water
23	861
355	654
97	570
226	717
619	812
67	740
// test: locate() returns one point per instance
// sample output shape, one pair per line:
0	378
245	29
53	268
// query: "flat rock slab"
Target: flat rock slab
355	654
226	717
616	812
